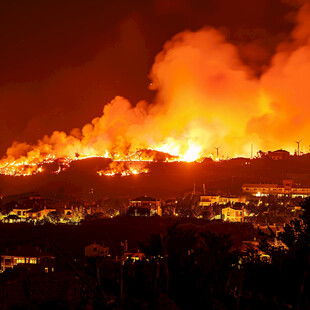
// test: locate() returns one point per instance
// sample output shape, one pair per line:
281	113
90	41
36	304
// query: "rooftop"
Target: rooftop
272	185
27	251
144	198
234	208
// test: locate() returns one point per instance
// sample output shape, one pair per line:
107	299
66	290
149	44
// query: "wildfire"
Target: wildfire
124	169
21	169
122	165
193	152
205	96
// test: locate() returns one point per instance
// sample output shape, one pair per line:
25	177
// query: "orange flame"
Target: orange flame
124	169
205	97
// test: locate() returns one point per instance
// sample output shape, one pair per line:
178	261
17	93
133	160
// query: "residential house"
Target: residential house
21	211
95	249
134	256
38	214
12	218
278	154
209	200
233	214
27	256
146	206
286	188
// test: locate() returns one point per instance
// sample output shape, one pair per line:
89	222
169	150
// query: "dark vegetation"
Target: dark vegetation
194	269
189	263
135	230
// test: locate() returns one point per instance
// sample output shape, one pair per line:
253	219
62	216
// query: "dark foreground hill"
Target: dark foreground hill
136	230
164	179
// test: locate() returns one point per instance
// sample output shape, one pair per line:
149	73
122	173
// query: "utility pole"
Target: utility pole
124	248
194	192
122	283
298	142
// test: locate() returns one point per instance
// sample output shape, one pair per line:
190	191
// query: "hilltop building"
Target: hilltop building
279	154
286	188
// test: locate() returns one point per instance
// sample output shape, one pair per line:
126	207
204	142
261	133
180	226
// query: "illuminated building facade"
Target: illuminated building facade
21	212
233	214
209	200
286	188
152	205
279	154
96	249
27	256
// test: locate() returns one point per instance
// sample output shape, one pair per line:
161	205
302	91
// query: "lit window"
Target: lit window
20	260
8	261
46	269
33	260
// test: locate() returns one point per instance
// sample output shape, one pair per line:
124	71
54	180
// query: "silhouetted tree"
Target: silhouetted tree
284	283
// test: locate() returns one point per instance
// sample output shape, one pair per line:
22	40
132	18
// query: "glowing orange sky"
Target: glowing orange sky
62	61
209	89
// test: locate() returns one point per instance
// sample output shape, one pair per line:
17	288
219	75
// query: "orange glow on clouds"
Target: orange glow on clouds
205	97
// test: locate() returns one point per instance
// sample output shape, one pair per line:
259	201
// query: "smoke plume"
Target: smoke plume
206	97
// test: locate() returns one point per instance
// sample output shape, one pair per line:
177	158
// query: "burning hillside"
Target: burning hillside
124	169
132	164
205	97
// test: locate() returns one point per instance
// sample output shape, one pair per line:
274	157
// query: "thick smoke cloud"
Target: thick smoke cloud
206	97
286	84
